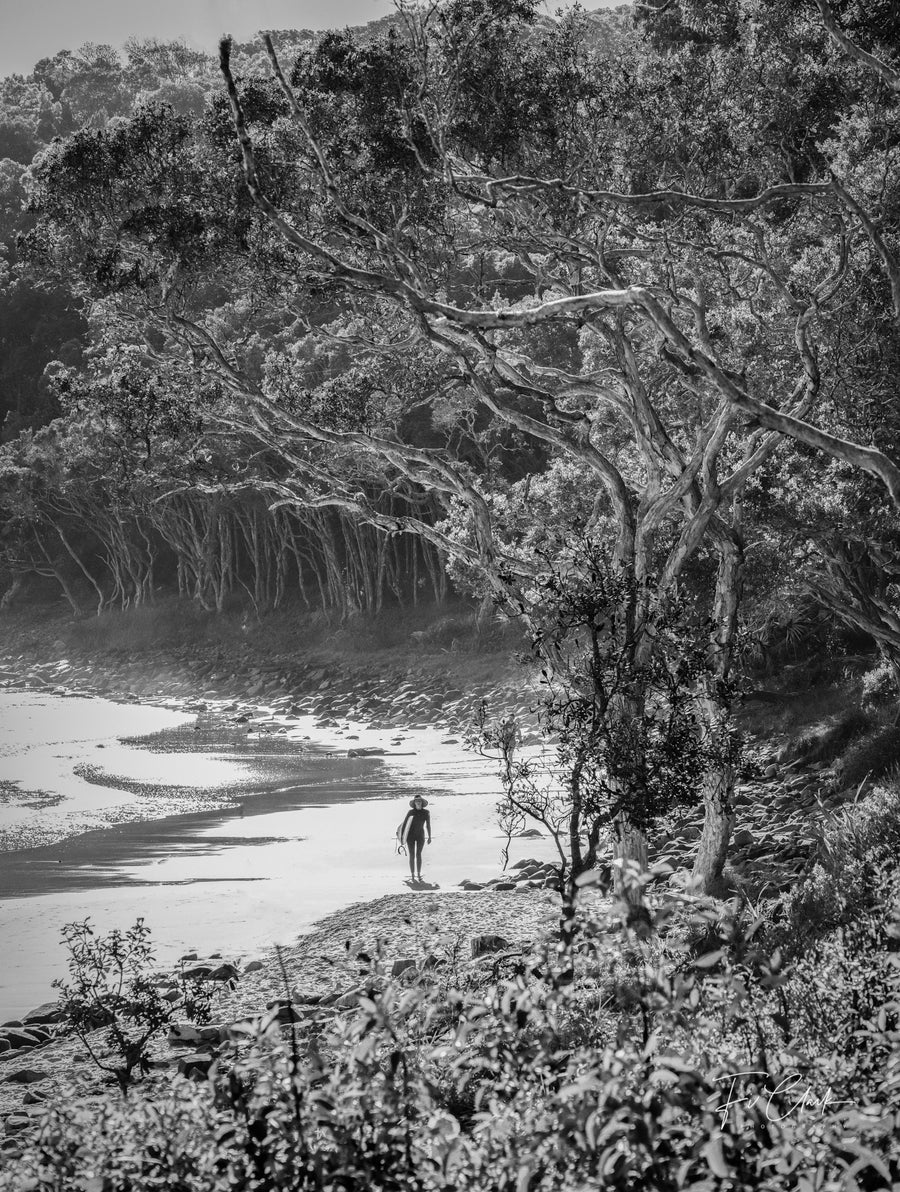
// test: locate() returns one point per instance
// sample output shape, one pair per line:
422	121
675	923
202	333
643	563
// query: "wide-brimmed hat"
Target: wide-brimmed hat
421	799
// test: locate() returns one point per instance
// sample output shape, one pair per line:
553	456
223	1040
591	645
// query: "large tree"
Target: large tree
633	261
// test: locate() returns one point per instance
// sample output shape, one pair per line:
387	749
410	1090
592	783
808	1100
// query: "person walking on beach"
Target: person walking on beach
413	831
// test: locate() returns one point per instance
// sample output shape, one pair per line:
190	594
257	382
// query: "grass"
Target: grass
826	744
872	757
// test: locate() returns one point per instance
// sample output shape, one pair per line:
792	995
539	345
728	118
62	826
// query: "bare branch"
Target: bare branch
869	459
886	73
891	263
523	183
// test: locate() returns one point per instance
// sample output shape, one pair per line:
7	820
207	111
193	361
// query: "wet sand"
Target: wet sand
116	856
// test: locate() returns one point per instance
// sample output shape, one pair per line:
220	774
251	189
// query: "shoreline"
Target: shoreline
403	718
312	697
280	840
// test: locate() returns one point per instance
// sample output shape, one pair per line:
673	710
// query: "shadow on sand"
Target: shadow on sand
418	884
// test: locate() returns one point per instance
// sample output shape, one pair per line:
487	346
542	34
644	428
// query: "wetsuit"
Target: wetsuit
418	820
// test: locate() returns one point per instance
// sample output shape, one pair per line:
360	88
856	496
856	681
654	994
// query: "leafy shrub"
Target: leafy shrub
854	870
112	986
134	1144
839	987
867	832
879	687
872	757
788	632
839	936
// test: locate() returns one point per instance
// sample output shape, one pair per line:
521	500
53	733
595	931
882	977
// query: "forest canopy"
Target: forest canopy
347	317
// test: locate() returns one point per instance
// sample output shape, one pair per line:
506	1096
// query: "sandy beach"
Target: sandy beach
232	841
221	843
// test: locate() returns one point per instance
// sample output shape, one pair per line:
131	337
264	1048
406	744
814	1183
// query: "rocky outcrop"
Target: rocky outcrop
528	874
214	969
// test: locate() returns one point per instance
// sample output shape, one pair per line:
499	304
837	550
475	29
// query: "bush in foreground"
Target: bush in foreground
112	986
652	1069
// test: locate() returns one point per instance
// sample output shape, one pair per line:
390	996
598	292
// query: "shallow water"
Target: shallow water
220	840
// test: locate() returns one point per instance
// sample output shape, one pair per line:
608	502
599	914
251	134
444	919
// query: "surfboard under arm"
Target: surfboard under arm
403	832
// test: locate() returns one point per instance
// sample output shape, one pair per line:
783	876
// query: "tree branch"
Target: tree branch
886	73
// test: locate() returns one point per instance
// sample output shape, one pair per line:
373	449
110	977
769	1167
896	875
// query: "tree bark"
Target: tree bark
630	852
718	789
718	823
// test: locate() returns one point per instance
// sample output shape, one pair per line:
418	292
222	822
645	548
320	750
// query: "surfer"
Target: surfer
412	831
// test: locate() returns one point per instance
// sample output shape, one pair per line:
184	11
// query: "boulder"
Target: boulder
253	967
16	1123
187	1034
284	1010
484	945
196	1065
304	998
27	1076
44	1015
211	970
401	966
502	886
17	1038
